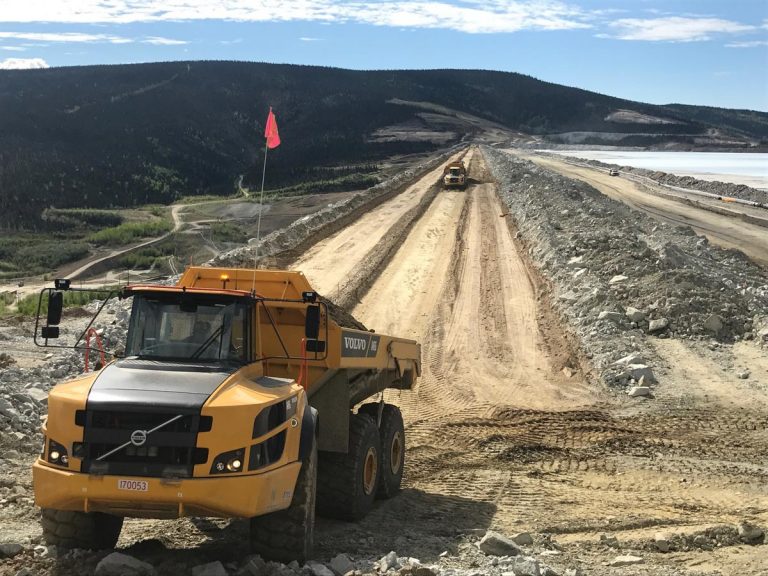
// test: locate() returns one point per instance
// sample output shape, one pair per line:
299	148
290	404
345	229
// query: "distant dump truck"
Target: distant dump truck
455	175
613	172
234	399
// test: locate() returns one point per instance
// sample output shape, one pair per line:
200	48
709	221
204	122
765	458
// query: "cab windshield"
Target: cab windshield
184	327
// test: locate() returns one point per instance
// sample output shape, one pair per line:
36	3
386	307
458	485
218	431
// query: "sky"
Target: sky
706	52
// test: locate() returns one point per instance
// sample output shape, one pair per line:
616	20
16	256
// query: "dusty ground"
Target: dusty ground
494	417
499	434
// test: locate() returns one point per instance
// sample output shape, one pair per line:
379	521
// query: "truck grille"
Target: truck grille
169	452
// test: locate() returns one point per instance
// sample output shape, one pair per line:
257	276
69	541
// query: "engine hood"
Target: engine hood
156	385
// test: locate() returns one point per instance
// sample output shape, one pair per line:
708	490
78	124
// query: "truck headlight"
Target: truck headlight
228	462
57	454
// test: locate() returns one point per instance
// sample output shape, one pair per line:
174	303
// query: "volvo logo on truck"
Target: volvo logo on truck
138	437
355	343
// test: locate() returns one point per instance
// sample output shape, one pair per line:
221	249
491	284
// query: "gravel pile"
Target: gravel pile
24	396
492	555
619	276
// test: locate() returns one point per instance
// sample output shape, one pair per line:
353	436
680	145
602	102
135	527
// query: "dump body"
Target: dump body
218	401
455	175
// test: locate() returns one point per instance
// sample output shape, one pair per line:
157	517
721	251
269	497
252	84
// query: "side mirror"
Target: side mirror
55	307
312	322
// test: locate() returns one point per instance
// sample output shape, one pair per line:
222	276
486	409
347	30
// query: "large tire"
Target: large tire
347	483
88	530
392	435
289	534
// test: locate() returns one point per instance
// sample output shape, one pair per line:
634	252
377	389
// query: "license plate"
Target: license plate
133	485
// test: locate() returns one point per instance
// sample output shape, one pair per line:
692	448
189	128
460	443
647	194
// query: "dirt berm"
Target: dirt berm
618	275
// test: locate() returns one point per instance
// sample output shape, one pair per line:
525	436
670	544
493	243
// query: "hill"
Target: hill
106	136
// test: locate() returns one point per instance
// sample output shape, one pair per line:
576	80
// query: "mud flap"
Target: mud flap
308	432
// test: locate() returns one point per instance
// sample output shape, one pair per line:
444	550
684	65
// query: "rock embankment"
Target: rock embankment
619	276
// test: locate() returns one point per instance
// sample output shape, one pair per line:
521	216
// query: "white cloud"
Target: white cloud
473	16
747	44
673	29
22	63
160	41
87	38
13	48
65	37
308	39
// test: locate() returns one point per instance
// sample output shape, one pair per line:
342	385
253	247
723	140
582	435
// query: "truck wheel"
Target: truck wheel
347	483
392	434
88	530
289	534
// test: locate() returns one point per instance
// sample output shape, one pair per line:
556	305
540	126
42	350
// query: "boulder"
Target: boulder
636	372
750	533
10	549
639	391
634	314
610	541
658	325
318	569
618	278
341	564
610	316
631	359
255	566
713	323
662	542
38	395
526	566
627	560
117	564
495	544
210	569
523	539
388	561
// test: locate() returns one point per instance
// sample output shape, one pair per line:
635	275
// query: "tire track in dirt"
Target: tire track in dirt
459	285
329	264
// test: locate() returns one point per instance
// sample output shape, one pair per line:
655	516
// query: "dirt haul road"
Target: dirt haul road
504	431
726	231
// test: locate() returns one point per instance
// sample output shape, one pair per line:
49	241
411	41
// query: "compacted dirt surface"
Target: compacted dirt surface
514	425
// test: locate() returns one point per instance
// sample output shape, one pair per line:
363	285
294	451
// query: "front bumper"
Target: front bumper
243	495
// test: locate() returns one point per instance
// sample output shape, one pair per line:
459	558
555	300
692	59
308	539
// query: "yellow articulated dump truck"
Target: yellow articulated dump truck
234	397
455	175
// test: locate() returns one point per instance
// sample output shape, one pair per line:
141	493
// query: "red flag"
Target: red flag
270	132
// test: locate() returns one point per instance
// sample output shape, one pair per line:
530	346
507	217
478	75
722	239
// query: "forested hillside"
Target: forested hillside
105	136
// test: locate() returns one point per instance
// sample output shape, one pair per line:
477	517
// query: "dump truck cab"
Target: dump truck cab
234	398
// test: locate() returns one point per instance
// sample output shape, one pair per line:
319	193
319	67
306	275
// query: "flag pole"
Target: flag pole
261	196
261	209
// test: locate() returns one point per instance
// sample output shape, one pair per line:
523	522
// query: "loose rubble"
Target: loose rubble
619	276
